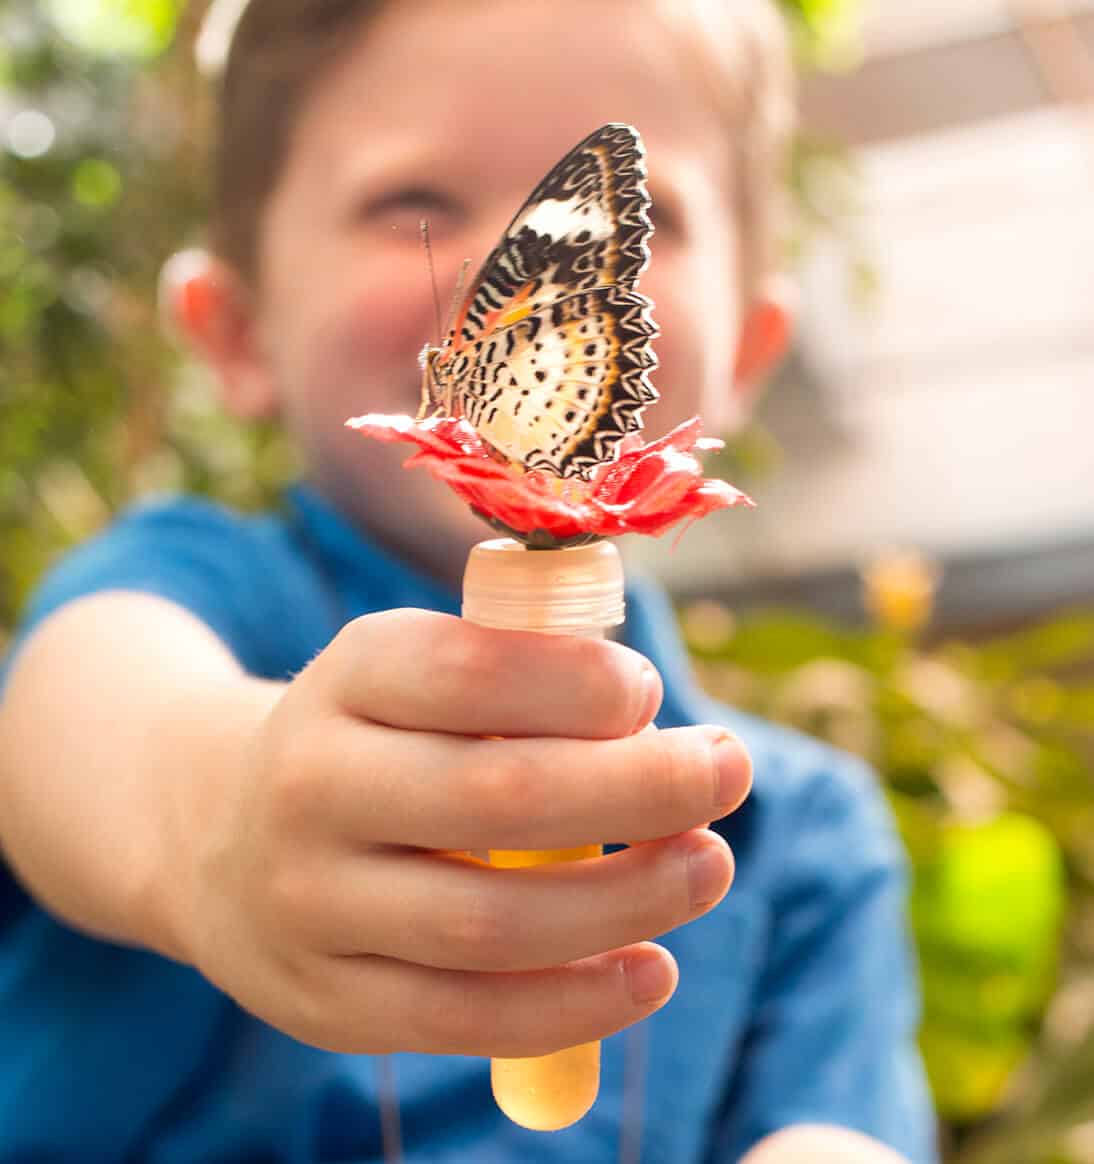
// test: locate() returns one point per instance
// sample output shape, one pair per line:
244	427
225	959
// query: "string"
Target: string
635	1047
631	1120
391	1132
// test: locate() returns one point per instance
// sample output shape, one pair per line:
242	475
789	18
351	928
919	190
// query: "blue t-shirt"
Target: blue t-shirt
796	1000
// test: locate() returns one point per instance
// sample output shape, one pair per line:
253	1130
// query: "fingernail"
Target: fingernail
729	759
650	701
708	874
651	977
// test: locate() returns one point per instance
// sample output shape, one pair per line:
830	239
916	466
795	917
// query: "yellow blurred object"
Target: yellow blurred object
548	1092
708	626
898	589
969	1074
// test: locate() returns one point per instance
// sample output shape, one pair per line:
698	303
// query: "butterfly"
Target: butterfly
549	351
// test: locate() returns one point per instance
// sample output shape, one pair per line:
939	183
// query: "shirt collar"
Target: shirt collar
366	576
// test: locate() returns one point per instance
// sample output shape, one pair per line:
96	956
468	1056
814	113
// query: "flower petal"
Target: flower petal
647	489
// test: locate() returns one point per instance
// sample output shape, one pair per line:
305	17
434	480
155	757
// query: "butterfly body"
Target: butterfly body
549	352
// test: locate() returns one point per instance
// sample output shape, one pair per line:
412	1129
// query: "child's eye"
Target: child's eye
404	209
664	217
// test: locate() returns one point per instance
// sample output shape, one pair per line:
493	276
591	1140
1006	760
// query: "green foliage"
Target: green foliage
116	28
826	32
984	750
987	909
95	406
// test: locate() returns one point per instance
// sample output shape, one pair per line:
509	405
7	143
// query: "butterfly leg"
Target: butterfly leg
427	397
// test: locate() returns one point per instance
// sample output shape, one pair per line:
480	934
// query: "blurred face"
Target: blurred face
453	112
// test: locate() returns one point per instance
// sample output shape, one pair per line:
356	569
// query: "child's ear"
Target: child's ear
766	331
206	304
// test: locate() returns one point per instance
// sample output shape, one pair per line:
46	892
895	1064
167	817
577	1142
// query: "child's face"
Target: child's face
453	112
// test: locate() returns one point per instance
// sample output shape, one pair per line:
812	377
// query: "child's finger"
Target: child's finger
462	915
431	672
374	1004
443	792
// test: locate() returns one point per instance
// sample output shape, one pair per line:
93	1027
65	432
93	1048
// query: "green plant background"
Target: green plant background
984	747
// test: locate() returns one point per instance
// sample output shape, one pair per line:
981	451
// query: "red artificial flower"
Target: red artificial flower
647	489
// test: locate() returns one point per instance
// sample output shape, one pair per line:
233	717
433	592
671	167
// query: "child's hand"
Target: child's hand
328	898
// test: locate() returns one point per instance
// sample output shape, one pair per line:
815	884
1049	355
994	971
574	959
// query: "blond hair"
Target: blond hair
741	53
281	48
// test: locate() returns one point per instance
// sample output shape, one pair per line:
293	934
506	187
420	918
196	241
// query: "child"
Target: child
225	896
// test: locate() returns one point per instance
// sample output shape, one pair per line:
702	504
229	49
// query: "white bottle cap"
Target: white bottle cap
571	591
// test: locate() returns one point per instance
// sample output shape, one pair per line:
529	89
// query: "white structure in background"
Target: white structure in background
957	415
895	26
965	397
968	392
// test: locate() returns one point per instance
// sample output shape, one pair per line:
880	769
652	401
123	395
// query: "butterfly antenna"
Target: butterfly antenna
461	282
454	306
423	227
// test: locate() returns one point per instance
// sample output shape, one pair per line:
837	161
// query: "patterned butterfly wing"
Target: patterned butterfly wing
550	350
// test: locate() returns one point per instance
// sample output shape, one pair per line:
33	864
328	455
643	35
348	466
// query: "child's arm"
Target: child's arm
282	837
117	704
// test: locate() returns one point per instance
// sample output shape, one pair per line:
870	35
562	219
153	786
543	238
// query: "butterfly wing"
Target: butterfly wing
558	389
550	350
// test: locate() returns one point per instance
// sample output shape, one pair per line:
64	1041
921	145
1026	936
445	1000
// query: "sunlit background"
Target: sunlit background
917	583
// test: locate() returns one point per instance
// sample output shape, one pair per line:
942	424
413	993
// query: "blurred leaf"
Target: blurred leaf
116	28
96	183
1058	642
828	33
994	893
987	907
777	641
968	1075
1038	1127
750	454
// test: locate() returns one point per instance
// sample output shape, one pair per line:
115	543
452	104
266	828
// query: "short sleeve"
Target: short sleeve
218	564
